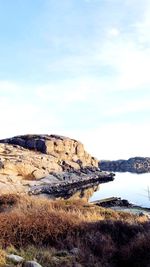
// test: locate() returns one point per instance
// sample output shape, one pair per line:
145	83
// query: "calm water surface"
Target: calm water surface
133	187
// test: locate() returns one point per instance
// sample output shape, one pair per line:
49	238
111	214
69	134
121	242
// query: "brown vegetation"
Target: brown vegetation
50	230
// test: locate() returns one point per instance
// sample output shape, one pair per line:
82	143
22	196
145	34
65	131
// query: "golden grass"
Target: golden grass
64	224
2	258
38	221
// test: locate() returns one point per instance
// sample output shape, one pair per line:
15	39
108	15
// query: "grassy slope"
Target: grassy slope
49	230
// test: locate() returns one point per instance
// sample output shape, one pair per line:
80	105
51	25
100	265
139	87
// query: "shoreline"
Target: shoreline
118	204
70	187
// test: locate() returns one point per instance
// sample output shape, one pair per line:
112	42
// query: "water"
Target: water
133	187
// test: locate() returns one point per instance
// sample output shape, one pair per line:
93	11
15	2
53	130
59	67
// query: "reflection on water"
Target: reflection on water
85	193
133	187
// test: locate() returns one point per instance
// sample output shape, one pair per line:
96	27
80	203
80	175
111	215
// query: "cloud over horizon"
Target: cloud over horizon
78	68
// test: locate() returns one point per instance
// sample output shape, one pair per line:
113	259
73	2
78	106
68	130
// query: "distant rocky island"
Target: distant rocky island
134	165
47	164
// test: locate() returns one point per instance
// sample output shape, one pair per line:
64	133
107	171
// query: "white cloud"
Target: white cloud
8	87
140	105
116	140
114	32
74	63
126	55
129	61
69	91
22	116
142	26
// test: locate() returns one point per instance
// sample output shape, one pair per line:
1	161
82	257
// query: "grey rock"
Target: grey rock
1	165
74	251
40	145
73	182
31	264
14	258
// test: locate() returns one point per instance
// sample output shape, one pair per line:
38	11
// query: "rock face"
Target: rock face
60	147
46	164
135	165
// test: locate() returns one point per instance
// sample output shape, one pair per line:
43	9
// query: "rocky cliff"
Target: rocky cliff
50	164
135	165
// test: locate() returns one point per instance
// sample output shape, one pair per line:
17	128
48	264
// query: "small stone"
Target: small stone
74	251
14	258
31	264
38	174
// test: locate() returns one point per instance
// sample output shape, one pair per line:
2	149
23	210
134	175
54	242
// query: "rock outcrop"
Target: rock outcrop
135	165
60	147
46	164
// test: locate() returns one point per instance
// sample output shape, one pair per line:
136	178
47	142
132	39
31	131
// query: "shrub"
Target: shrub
61	225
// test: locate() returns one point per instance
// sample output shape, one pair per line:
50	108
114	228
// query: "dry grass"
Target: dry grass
104	237
8	201
2	258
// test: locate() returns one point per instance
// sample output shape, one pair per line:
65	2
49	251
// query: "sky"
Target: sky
79	68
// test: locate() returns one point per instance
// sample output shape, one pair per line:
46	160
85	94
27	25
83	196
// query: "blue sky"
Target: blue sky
78	68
